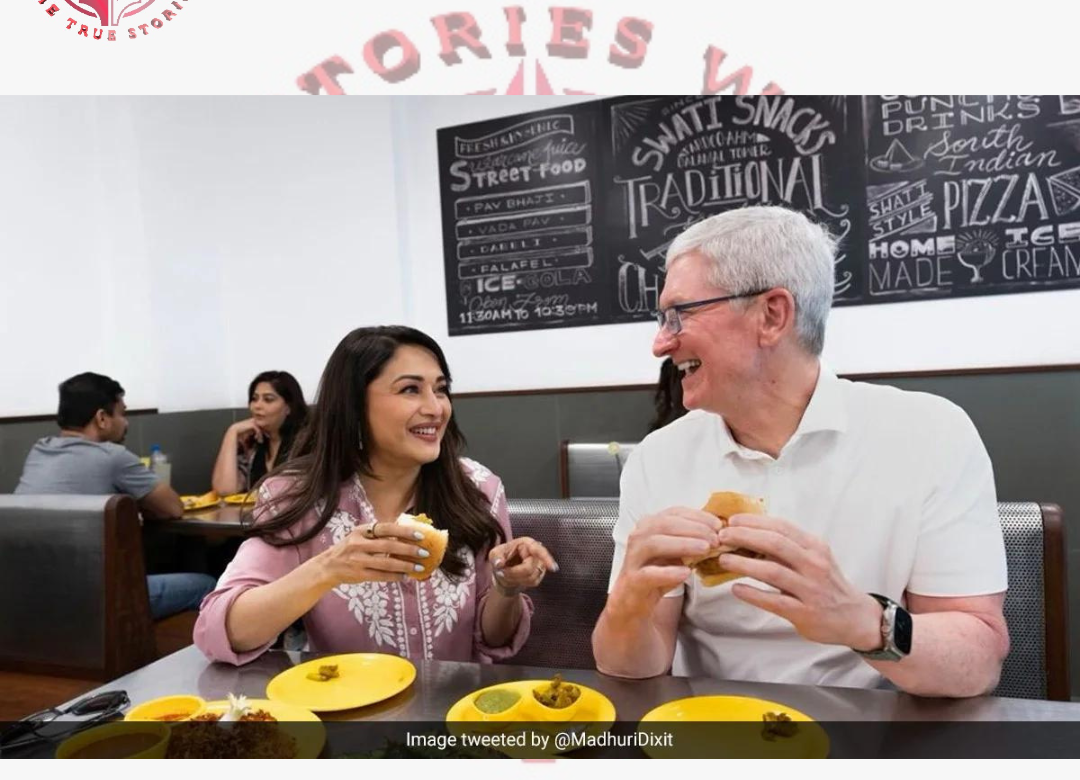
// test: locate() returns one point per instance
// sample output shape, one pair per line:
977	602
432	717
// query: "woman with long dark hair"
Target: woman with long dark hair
381	441
668	398
252	447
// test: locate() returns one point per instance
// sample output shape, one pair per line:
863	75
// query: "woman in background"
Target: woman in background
668	398
255	446
381	442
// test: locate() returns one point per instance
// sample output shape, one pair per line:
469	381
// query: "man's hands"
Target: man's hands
814	596
654	556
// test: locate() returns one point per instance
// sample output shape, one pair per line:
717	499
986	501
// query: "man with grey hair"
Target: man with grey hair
880	555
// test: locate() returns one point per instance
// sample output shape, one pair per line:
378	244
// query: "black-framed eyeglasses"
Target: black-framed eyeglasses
671	319
54	723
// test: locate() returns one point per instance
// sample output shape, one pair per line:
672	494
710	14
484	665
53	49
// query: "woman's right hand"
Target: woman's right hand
655	551
379	552
247	432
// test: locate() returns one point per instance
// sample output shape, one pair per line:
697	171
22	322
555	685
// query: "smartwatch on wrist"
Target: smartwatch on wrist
895	632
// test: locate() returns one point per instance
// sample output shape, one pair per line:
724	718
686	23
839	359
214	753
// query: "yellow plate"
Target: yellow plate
241	499
593	708
293	720
364	678
155	709
810	741
192	503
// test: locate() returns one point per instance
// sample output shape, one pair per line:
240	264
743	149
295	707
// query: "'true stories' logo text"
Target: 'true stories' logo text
102	19
394	55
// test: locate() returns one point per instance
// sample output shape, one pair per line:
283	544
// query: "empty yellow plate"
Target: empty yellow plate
592	707
294	721
745	740
241	498
363	679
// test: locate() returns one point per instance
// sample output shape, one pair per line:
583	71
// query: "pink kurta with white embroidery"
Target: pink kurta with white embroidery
438	618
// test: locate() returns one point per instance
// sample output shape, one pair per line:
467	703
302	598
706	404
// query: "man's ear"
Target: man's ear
101	419
778	316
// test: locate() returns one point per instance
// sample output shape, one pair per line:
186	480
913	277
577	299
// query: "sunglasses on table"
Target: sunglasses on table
55	723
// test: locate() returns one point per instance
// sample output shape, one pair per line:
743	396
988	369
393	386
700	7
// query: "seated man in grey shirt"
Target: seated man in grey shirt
87	458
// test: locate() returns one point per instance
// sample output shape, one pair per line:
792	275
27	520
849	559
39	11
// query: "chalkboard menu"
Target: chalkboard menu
675	161
518	211
563	218
971	194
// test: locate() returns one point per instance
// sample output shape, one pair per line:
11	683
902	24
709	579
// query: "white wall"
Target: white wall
1028	329
184	244
74	281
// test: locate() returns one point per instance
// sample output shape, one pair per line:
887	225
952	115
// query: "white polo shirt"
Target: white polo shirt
897	483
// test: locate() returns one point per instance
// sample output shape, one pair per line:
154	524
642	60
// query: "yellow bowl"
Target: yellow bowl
126	739
507	714
157	709
555	713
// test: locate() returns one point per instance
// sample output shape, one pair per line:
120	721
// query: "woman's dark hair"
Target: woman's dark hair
288	388
668	398
327	453
82	395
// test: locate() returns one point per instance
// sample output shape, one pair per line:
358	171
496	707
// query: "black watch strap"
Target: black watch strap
896	629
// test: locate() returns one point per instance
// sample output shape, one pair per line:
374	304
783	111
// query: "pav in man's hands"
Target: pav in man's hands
724	505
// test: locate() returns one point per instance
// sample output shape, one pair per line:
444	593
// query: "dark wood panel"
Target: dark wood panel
993	370
1051	368
25	694
1055	573
52	417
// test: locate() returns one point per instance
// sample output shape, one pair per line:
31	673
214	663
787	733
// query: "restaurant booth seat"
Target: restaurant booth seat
568	602
73	582
578	532
592	469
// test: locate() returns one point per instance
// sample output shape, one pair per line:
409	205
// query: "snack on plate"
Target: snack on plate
557	694
241	732
778	724
326	672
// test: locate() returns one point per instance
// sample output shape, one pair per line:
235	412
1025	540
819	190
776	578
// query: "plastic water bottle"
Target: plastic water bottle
159	464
